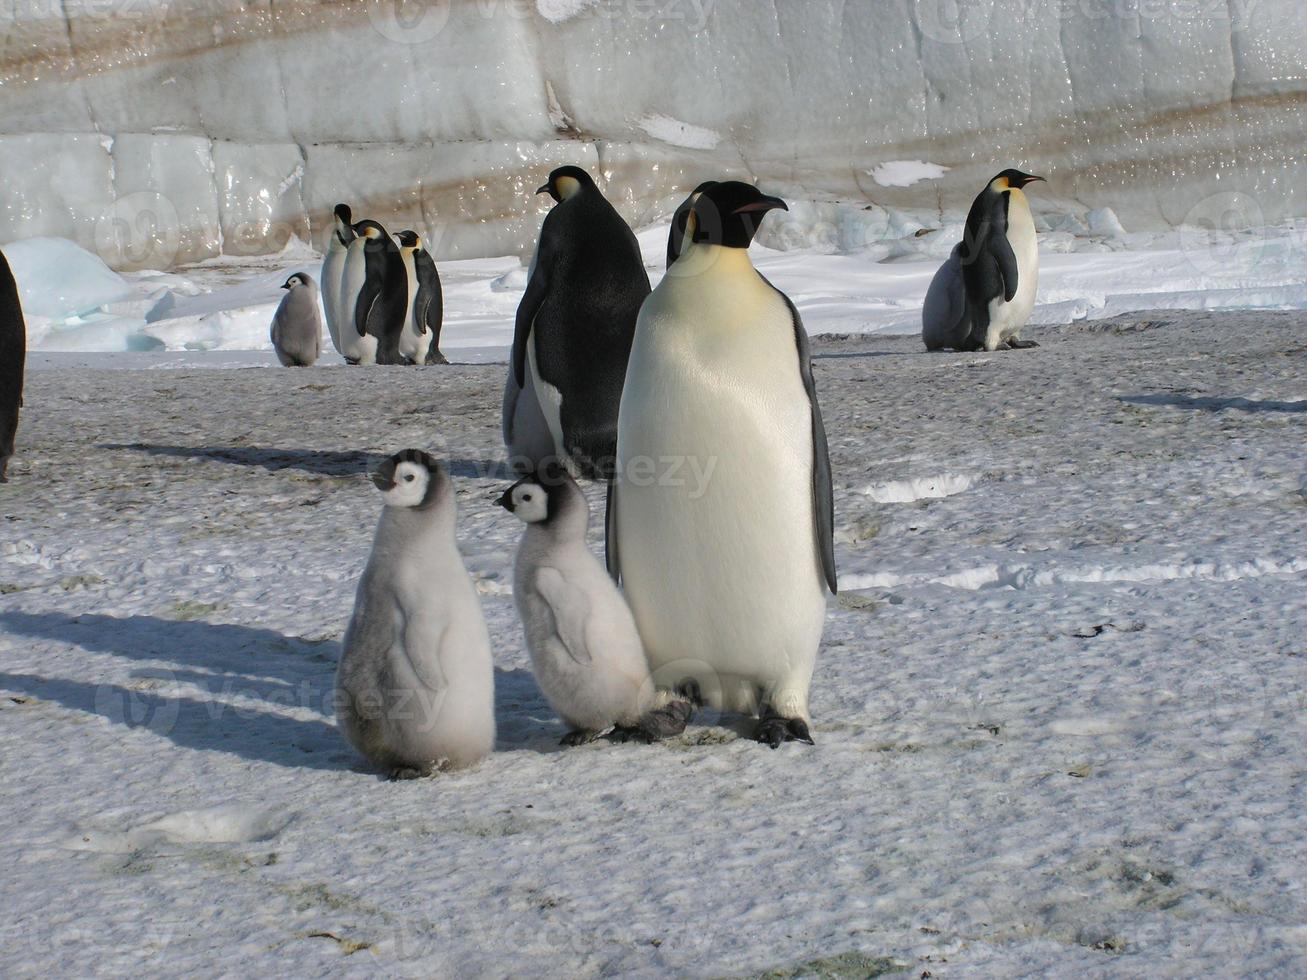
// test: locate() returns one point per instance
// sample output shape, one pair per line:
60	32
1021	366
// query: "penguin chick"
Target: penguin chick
944	319
297	324
585	651
415	685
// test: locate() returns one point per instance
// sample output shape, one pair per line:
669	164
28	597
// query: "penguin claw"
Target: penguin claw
1015	344
408	772
580	736
774	730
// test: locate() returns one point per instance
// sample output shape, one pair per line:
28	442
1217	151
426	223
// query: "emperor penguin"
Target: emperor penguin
297	324
573	332
676	235
415	684
944	319
357	347
1000	263
333	270
13	359
420	341
383	298
726	575
585	650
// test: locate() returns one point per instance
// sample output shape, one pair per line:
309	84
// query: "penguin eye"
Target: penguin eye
526	496
409	478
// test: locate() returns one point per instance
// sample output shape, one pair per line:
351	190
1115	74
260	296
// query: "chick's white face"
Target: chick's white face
530	502
410	487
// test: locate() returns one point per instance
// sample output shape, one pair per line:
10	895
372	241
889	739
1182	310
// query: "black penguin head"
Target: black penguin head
1012	180
566	182
676	237
410	479
344	215
344	230
729	213
538	496
409	239
299	279
371	230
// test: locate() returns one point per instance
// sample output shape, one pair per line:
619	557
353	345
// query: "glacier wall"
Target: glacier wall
157	132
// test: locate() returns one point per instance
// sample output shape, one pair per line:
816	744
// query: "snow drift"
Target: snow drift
156	133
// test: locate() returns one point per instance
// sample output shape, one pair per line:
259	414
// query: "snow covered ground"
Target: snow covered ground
1060	715
848	272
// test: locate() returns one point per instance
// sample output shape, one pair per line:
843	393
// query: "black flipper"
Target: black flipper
823	494
371	291
611	559
532	299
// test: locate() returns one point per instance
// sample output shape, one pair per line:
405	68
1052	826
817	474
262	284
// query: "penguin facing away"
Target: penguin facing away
13	361
333	270
297	324
726	577
944	318
585	651
355	346
573	332
676	234
383	298
420	341
415	684
1000	263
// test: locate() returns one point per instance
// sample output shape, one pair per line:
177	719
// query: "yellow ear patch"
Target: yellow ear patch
691	223
1002	184
567	186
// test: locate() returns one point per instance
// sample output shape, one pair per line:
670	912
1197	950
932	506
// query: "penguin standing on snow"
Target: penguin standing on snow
297	324
383	298
420	341
1000	263
944	318
415	685
573	332
726	576
585	651
13	360
676	235
333	270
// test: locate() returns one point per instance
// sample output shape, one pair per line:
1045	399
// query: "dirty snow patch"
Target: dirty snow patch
678	133
920	488
905	173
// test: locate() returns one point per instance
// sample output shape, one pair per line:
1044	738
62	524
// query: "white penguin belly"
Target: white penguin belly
1007	319
353	346
333	268
719	559
549	398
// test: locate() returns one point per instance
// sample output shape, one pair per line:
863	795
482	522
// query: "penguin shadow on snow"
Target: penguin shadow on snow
239	667
523	719
323	462
1214	404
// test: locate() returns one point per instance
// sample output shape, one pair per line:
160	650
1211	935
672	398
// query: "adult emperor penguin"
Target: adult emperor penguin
420	341
297	324
415	685
726	576
585	650
573	332
333	270
357	347
1000	263
676	235
13	359
944	319
382	300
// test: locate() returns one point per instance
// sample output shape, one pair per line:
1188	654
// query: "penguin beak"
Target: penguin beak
1030	179
543	189
761	205
505	500
286	284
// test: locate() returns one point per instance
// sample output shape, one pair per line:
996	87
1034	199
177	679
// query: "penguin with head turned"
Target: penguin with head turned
1000	263
676	235
420	341
944	318
573	332
13	358
333	270
727	575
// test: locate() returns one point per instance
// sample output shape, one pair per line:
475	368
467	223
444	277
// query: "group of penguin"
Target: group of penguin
381	296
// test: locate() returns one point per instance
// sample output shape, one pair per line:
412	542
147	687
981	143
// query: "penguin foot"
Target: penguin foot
409	772
352	360
1015	344
666	721
690	691
581	736
435	357
773	730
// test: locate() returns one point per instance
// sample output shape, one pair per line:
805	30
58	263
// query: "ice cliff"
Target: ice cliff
155	132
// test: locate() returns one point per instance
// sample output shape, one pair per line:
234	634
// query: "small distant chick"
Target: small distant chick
297	324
